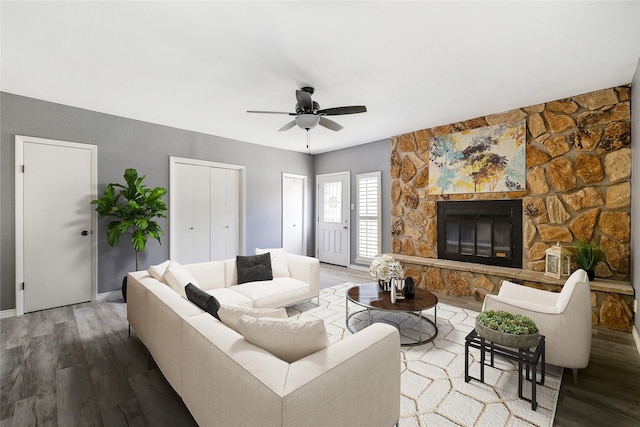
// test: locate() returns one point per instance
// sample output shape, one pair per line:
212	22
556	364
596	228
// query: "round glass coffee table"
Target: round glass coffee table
374	299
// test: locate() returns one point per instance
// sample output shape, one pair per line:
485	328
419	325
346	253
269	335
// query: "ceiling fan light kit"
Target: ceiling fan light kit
308	113
307	120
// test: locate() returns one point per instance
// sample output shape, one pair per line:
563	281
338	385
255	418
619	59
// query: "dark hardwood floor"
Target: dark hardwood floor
76	366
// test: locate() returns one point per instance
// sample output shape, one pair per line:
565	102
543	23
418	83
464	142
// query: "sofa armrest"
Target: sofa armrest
326	388
306	269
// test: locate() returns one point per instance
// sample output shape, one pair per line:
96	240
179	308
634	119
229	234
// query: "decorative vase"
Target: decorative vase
385	284
409	288
591	274
506	339
124	288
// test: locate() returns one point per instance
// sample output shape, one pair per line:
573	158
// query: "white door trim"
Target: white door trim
304	209
173	160
348	203
19	210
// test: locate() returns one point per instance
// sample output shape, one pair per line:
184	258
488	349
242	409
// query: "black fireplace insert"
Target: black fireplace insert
481	231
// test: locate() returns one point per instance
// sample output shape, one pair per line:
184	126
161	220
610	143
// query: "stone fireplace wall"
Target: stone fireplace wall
578	163
578	180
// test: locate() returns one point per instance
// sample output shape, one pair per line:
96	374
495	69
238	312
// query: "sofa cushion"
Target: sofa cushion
254	268
210	274
206	302
279	264
178	277
228	296
287	339
157	271
230	314
278	292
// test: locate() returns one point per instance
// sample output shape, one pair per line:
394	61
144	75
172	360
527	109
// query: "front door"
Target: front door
55	186
332	207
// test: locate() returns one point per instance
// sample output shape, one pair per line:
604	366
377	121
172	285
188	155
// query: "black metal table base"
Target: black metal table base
527	359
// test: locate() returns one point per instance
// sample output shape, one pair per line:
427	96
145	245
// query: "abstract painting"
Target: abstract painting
484	160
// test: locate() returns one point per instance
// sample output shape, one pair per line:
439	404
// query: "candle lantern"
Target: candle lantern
557	261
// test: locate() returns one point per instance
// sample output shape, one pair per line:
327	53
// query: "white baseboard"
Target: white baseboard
108	295
7	313
636	338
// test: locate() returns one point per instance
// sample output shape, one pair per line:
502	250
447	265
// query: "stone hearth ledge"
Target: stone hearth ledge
603	285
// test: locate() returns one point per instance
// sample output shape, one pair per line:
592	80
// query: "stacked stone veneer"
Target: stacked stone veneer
578	187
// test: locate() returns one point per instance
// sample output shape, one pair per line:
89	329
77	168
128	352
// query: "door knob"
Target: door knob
85	233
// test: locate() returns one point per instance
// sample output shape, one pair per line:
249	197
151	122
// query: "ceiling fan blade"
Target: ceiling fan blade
329	124
271	112
288	126
337	111
304	100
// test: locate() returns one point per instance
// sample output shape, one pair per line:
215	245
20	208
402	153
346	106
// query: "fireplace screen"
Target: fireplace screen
487	232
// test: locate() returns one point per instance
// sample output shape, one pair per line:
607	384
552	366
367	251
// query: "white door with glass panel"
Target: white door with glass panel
332	206
55	242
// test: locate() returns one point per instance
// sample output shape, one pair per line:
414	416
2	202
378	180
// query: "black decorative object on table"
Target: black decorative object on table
409	288
124	288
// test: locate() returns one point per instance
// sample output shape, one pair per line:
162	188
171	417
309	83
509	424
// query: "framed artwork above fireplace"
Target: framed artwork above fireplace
485	160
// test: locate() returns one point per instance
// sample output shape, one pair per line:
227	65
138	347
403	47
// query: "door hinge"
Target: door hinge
21	288
22	168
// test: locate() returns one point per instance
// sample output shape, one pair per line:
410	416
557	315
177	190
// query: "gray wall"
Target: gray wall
375	156
124	143
635	188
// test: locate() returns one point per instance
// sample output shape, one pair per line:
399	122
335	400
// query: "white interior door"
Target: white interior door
332	206
293	207
225	213
57	260
191	214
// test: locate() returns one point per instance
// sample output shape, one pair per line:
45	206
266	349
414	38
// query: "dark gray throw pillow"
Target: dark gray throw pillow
206	302
254	268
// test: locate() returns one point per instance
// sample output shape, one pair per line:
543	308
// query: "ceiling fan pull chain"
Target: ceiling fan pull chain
308	140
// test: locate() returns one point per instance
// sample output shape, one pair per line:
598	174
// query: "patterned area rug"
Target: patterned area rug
434	392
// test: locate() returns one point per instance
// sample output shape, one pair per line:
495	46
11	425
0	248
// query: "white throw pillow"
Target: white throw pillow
279	264
178	277
287	339
157	271
230	314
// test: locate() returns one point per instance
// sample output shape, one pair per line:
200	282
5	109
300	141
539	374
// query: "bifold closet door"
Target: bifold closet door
225	213
192	213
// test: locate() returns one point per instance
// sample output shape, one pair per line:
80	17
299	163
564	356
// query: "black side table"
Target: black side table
525	357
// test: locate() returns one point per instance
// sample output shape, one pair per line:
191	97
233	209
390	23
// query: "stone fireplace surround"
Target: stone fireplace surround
578	187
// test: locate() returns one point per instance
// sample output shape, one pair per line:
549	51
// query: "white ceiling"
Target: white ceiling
415	65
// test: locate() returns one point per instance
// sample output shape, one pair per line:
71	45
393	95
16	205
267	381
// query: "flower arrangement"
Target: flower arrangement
384	267
506	322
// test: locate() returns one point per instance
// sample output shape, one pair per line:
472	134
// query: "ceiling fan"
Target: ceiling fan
308	113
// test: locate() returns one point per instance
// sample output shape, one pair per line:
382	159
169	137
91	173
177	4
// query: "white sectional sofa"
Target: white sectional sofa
226	381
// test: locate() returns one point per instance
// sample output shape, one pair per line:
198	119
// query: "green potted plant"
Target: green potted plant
588	254
507	329
133	208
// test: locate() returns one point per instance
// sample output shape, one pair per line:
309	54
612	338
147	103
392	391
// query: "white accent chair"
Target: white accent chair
564	318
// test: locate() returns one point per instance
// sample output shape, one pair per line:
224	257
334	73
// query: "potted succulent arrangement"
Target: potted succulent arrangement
507	329
133	208
588	254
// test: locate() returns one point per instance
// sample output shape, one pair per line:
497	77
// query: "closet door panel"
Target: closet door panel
233	213
191	214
